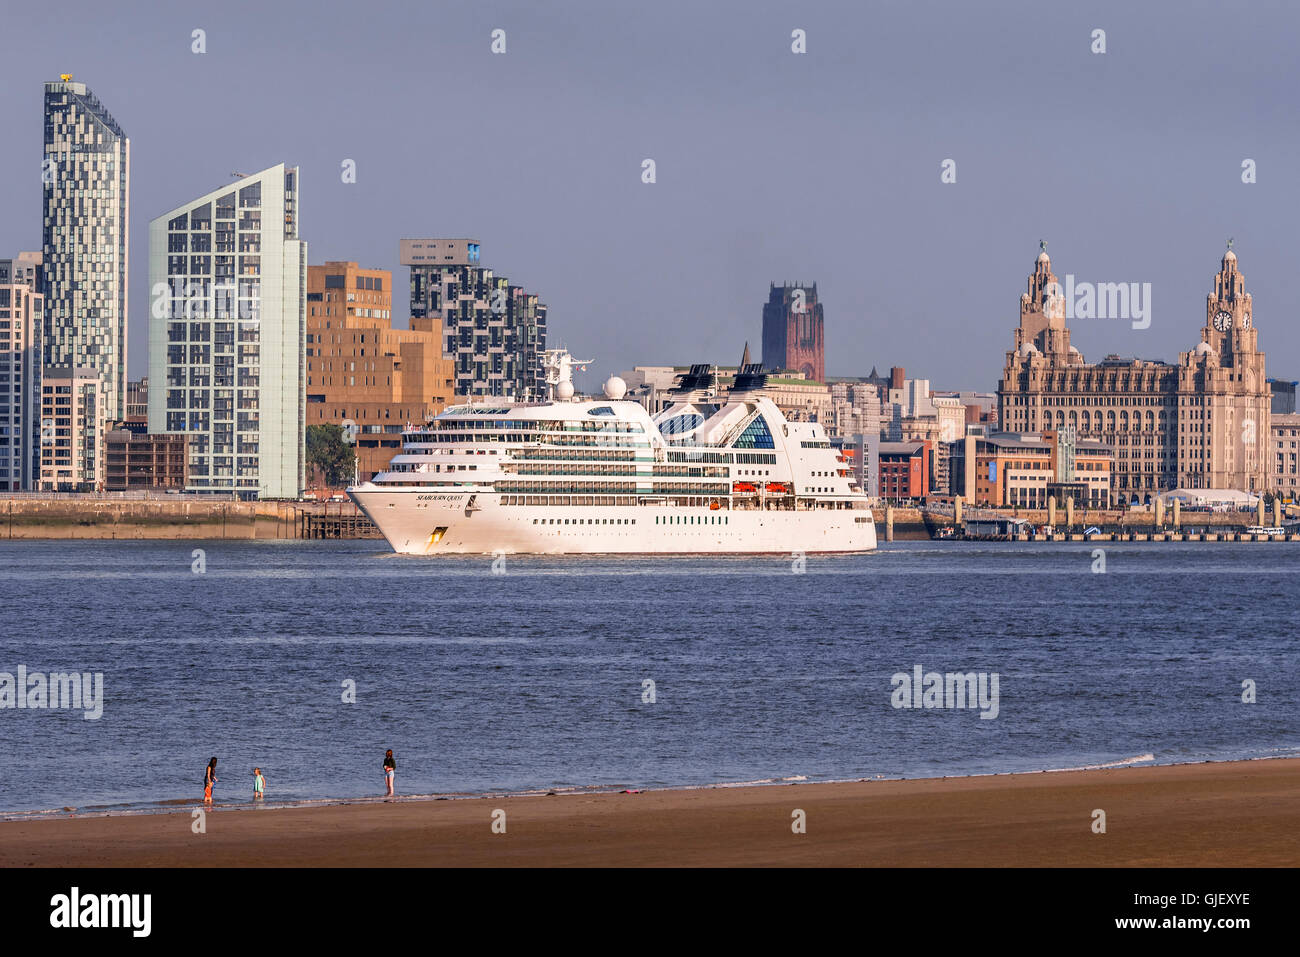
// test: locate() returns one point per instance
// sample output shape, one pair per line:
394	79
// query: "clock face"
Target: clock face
1222	320
1245	321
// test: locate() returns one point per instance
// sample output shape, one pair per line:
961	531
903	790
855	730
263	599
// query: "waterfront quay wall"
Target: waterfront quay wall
1123	525
174	517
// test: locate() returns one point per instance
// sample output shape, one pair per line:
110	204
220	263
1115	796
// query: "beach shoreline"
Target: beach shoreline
1231	813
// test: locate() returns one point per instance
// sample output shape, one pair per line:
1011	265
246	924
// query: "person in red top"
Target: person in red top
209	779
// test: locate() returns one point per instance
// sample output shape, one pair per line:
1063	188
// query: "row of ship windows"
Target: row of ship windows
539	425
550	439
659	520
586	521
692	520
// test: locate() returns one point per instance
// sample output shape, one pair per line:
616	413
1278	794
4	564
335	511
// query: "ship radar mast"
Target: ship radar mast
559	364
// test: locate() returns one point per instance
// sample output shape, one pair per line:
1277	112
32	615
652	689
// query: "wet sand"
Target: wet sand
1239	814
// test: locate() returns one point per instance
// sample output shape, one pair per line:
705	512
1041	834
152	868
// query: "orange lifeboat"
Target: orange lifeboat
714	506
743	488
778	488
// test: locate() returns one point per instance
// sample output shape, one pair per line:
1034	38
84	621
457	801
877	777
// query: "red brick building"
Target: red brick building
904	469
135	459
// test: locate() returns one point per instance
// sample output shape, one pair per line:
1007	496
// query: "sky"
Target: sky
770	165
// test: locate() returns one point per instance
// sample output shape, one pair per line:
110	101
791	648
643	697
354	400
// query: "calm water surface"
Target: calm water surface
534	679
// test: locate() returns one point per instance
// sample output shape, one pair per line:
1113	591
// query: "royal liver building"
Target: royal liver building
1203	423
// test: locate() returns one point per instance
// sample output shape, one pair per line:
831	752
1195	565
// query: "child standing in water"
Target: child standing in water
209	779
390	769
259	784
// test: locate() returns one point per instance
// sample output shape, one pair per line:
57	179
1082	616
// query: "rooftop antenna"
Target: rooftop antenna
238	175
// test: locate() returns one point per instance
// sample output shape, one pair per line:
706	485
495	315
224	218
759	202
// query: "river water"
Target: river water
539	678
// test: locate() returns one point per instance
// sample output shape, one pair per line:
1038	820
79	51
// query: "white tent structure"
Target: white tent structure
1225	497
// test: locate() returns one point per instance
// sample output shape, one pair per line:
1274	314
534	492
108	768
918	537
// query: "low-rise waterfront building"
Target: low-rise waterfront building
1284	433
363	372
135	459
1024	470
904	469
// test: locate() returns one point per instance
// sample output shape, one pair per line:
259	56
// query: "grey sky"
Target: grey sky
770	165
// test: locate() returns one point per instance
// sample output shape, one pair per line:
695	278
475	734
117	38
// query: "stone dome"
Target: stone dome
1203	348
1029	349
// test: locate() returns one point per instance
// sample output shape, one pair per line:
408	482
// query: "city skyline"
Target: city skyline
1110	156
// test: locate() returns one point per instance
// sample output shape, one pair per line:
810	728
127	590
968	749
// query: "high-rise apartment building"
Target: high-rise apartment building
228	279
86	193
72	429
794	331
362	370
1200	423
493	331
21	319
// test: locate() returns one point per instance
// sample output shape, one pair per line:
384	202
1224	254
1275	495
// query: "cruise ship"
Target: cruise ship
711	473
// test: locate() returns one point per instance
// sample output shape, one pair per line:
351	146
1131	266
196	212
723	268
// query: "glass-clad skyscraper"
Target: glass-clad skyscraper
86	191
228	284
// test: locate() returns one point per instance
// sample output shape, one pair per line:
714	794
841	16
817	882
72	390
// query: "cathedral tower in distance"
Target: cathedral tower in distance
793	331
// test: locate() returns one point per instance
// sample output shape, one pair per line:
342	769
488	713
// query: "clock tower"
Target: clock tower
1224	396
1229	326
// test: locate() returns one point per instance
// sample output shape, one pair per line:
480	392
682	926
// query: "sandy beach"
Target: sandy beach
1224	814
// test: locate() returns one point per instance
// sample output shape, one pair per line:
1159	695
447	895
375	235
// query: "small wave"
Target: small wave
1137	759
756	783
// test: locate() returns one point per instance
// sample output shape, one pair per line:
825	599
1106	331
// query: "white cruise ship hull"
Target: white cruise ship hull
422	523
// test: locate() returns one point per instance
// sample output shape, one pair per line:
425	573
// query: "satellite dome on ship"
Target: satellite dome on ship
615	387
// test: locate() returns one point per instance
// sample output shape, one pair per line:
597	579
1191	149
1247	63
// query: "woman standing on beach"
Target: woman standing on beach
390	769
209	779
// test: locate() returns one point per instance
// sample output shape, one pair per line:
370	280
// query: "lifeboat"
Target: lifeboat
743	488
714	506
778	488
